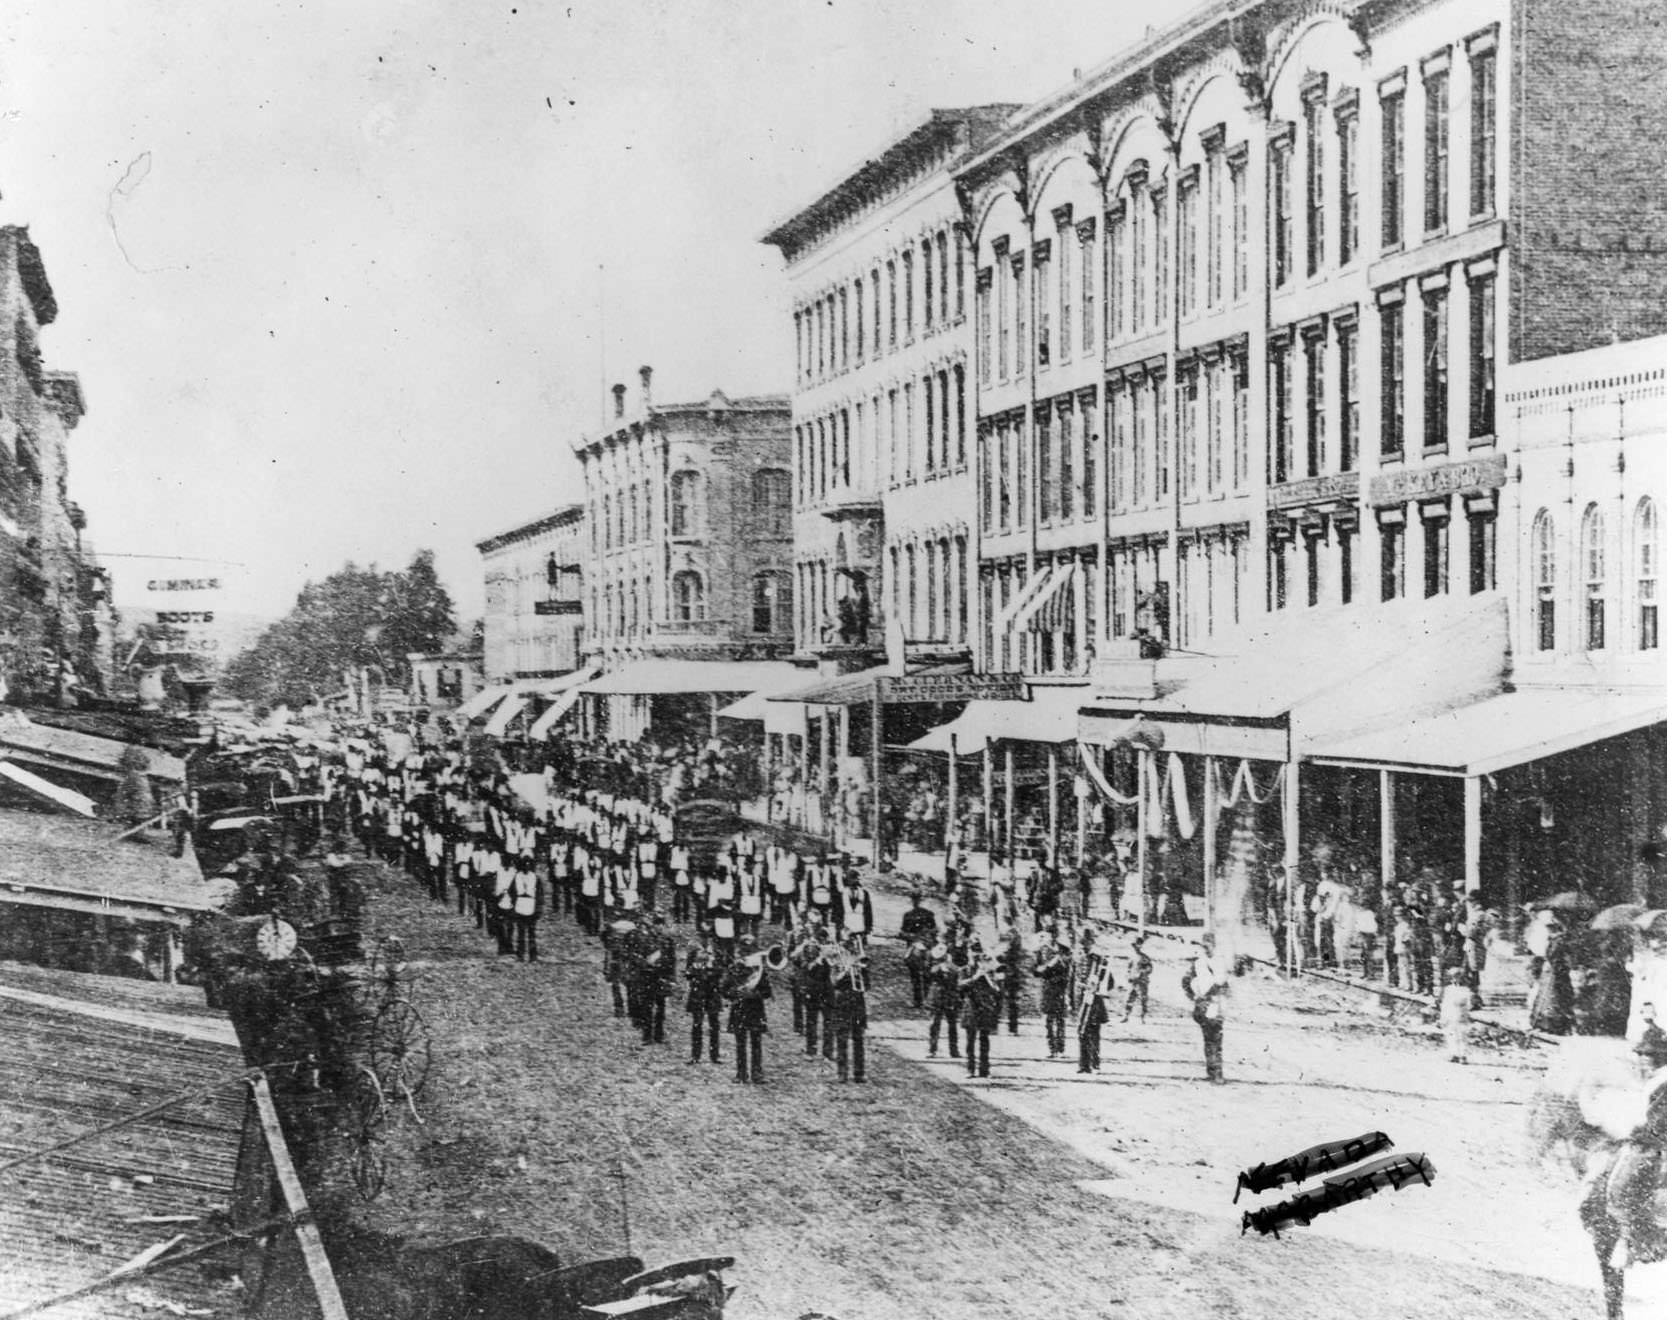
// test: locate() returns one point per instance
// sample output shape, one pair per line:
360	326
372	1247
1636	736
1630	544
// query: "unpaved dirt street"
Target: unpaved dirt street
919	1195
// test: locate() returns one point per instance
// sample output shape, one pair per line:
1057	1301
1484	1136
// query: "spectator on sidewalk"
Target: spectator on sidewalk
1455	1016
1206	984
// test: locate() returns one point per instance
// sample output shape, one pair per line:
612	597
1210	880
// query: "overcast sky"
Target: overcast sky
332	271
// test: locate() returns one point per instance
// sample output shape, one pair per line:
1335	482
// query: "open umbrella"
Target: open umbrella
1619	917
1570	900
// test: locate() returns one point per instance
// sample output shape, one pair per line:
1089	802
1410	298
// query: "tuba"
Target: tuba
1094	984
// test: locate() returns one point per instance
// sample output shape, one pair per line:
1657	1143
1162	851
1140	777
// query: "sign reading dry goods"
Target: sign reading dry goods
953	687
1421	483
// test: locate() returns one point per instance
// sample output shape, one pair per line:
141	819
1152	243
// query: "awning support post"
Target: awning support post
1210	809
1142	766
1386	829
1472	833
1007	807
876	713
952	813
1293	883
1053	803
989	795
1077	785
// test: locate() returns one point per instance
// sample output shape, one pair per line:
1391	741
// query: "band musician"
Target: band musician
1053	969
849	974
981	994
919	933
703	969
746	984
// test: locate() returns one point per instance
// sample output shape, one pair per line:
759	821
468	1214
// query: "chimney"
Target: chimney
647	374
619	402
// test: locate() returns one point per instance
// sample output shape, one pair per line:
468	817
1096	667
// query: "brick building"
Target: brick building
687	516
534	621
55	614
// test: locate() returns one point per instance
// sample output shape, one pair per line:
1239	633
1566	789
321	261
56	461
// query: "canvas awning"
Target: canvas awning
21	739
1501	732
1303	679
64	797
1048	610
651	678
545	723
478	704
507	711
841	690
753	707
1050	716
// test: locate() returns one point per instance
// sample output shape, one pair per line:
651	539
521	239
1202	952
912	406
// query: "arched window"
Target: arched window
688	504
1644	535
607	521
633	527
772	603
1544	552
1592	566
688	597
772	495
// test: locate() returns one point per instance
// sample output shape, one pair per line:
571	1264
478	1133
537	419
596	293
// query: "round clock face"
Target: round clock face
275	939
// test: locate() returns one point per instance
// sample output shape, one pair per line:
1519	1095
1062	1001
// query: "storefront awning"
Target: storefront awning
478	704
841	690
64	797
1050	716
653	678
507	711
1302	679
21	739
545	724
753	707
1501	732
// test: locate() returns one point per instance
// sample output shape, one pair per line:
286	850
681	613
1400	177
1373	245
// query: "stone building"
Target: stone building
55	613
688	524
534	619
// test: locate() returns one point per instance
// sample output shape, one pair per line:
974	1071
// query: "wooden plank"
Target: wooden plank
306	1231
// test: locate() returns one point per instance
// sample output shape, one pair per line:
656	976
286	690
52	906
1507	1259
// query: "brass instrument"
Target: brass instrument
982	969
775	957
848	966
1095	983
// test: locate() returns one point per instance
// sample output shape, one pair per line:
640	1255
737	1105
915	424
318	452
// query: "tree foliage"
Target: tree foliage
356	616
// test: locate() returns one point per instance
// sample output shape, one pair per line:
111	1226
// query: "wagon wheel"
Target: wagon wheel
370	1166
366	1108
399	1051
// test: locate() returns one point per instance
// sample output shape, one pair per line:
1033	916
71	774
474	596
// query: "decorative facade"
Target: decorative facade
688	530
880	275
535	578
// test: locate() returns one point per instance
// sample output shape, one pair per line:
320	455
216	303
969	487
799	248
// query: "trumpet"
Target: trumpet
775	958
849	966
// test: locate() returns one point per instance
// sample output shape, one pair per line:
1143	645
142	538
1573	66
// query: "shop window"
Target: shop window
1435	557
1484	540
1391	560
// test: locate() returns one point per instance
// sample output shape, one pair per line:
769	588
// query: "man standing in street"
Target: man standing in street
747	987
850	1010
704	972
1053	966
1012	961
981	993
919	933
528	894
1206	983
944	999
656	969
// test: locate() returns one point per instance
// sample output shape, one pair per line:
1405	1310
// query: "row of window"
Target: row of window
1057	276
873	314
920	425
627	608
1597	586
627	516
1318	563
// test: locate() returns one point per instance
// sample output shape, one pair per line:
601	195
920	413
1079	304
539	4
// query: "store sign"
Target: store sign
952	687
1425	483
557	607
183	584
1315	490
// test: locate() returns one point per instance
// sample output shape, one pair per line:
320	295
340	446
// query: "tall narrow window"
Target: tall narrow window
1214	224
1087	257
1393	165
856	308
1348	392
1392	348
1435	150
1162	272
1391	562
943	278
1215	377
960	275
1004	465
1280	165
1313	364
986	482
1348	184
1186	219
1435	369
1484	130
1482	376
874	297
1592	564
688	597
1116	257
1189	429
908	295
1435	556
982	314
1279	571
1004	323
1090	461
1140	465
1648	559
1544	549
1140	224
1021	345
1241	420
960	422
1067	463
1241	227
1484	551
929	399
844	329
1283	457
1041	284
1160	436
1314	134
928	303
688	514
1117	436
1066	289
1345	560
1314	546
1044	464
891	303
1021	501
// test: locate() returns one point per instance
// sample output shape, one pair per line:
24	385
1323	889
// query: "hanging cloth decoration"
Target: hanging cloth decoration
1177	786
1157	797
1100	782
1244	782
